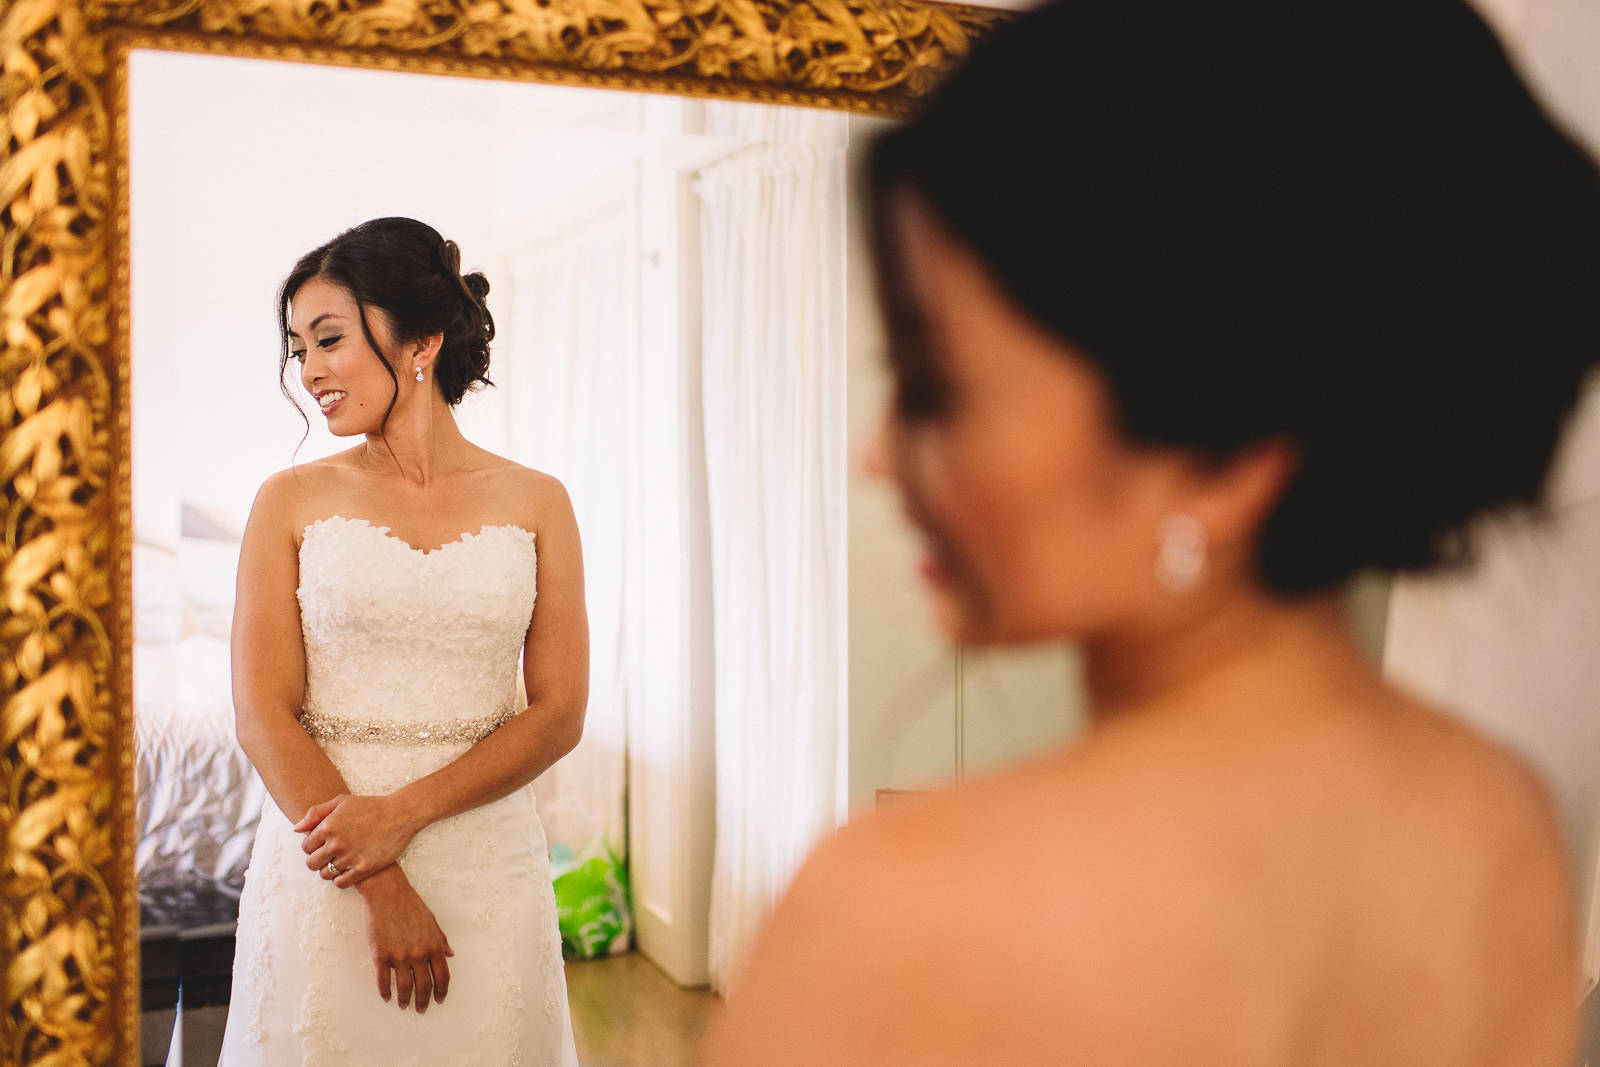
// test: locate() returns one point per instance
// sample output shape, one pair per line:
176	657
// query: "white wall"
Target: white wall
1557	43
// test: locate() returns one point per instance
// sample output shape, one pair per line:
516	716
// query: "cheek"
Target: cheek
368	382
979	494
1039	531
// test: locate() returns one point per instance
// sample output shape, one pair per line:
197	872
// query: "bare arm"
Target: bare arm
269	668
269	676
362	834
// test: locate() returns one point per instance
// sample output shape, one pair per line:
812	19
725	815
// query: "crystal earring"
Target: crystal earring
419	374
1181	557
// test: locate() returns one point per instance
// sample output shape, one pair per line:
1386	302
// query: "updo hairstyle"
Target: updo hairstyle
1346	224
412	276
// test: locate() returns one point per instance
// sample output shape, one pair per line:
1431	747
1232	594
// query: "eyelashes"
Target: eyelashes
326	342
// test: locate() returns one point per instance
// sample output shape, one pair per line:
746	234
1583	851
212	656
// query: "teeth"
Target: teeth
327	400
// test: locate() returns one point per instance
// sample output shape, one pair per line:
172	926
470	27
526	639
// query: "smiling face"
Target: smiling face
1040	519
338	367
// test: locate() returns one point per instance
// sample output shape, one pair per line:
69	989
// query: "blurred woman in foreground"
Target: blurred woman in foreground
1196	310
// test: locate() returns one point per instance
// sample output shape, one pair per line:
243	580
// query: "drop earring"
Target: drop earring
1181	555
419	374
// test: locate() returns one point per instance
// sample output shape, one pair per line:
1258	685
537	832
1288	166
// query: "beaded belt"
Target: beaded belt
382	732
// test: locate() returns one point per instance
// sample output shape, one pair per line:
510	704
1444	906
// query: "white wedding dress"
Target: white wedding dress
411	657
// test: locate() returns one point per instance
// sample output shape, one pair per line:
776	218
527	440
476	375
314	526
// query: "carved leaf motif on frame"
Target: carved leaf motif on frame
851	46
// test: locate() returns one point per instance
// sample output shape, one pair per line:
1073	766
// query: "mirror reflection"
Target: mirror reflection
668	283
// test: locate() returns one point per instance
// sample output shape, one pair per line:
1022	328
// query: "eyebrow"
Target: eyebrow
319	318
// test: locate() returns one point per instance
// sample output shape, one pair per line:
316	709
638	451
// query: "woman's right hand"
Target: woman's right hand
406	939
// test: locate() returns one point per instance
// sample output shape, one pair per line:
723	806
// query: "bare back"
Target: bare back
1321	885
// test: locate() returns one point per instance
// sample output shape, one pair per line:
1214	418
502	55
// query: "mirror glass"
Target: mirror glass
658	265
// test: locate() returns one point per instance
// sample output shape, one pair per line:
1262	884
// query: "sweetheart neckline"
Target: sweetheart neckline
466	537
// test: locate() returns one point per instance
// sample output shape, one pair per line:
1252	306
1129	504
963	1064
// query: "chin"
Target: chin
343	428
961	620
966	621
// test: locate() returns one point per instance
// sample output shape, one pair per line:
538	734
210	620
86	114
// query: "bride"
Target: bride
384	597
1195	310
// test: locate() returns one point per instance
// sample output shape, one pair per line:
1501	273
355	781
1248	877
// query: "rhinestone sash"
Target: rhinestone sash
323	727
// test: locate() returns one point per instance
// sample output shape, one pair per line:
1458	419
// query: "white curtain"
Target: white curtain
772	230
571	379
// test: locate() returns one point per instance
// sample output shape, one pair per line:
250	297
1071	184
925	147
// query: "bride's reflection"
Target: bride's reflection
377	693
667	286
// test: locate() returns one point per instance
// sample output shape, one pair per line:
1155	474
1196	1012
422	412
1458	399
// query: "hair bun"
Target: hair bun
450	257
470	334
474	287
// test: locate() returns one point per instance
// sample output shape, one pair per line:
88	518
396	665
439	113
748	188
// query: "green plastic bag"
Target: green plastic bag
592	900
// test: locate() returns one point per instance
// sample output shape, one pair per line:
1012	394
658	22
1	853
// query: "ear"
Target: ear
1233	499
425	350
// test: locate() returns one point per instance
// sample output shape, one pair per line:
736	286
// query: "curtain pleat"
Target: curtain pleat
574	415
773	366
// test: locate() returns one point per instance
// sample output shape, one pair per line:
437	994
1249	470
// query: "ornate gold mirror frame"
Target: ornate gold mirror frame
68	900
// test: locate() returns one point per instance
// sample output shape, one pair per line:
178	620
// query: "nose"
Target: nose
310	368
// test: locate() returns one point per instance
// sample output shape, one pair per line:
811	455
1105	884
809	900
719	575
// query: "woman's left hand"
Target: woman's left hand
358	835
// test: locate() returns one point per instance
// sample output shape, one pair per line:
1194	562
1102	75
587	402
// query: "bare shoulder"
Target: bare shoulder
539	498
297	495
1484	798
1042	905
1486	847
1499	782
832	963
1504	820
536	484
978	913
289	494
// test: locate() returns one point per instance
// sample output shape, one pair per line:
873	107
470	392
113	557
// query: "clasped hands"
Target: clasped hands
357	835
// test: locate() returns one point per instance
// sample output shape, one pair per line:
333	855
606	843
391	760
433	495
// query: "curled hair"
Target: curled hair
1343	224
412	277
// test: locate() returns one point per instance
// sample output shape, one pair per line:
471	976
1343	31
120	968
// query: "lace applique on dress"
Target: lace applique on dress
411	657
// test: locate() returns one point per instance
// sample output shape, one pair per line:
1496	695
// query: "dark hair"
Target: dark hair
1345	224
412	276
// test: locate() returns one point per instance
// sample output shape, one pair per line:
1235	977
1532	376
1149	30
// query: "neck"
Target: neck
419	443
1250	643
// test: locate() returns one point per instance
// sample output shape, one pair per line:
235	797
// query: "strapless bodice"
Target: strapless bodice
406	647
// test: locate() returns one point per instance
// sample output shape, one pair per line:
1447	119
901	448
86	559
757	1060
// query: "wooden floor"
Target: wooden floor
624	1012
